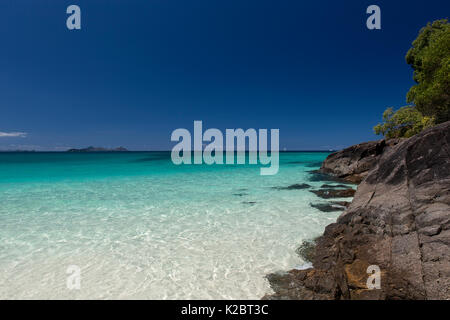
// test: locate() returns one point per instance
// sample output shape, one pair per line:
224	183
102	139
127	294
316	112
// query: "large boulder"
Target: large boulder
399	220
354	163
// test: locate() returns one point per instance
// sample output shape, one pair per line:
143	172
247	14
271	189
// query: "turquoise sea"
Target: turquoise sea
140	227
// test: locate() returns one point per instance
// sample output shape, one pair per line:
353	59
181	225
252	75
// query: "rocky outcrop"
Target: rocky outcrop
399	221
354	163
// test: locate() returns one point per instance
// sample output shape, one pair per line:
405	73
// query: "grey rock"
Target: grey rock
337	186
306	250
399	220
328	206
334	193
296	186
354	163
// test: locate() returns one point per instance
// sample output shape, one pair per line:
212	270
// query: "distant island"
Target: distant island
18	150
98	149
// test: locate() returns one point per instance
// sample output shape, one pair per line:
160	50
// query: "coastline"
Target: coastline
399	220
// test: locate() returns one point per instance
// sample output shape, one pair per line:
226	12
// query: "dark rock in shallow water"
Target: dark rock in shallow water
294	187
291	285
341	203
316	176
241	194
334	193
399	220
328	186
327	206
306	250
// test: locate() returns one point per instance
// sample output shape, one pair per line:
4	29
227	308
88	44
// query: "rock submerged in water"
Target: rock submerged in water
330	206
306	250
317	176
337	186
334	193
399	220
296	186
341	203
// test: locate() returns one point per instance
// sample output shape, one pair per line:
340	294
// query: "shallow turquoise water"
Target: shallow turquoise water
139	226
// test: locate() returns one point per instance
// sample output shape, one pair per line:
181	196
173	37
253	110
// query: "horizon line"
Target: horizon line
130	151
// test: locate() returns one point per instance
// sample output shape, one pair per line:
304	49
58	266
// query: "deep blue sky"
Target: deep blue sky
137	70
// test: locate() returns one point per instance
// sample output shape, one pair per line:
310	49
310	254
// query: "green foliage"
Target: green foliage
430	59
404	123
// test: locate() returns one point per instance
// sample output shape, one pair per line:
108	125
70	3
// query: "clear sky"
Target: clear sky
137	70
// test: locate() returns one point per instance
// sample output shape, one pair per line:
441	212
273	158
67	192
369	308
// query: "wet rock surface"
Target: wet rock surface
306	250
317	176
334	193
336	186
341	203
328	206
399	220
297	186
